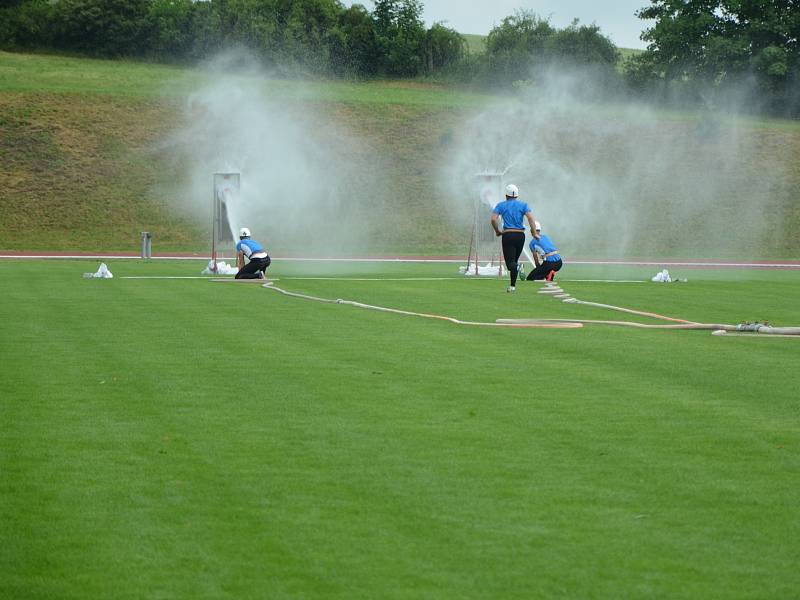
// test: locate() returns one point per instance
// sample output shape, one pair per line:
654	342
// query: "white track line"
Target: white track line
459	278
604	280
379	278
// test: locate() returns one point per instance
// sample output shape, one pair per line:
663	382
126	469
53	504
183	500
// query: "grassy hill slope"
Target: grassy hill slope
84	167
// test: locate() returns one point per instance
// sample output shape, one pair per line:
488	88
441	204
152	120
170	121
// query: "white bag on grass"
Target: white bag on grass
102	273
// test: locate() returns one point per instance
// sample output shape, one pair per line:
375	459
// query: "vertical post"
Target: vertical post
147	245
224	198
476	233
214	226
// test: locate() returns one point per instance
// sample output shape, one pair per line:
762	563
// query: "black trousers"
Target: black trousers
253	268
513	243
543	270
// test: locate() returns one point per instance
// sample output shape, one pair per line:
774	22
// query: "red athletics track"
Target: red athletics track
689	264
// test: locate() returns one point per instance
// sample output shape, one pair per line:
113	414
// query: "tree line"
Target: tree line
312	36
718	51
700	51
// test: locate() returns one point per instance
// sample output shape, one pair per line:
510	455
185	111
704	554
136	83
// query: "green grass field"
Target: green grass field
176	438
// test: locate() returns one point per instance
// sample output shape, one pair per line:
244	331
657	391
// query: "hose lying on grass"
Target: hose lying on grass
626	310
717	328
743	329
539	325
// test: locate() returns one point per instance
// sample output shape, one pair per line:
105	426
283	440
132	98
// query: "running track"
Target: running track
691	264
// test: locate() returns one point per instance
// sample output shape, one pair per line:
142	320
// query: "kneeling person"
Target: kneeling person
258	259
550	263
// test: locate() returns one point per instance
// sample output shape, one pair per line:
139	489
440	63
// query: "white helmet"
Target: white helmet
512	191
538	226
244	232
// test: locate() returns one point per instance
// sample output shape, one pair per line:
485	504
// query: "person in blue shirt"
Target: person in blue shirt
257	258
512	212
550	262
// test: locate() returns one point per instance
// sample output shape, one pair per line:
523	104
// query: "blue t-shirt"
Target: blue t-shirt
512	211
249	247
543	246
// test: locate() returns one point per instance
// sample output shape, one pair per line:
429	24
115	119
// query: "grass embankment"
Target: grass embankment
153	446
84	164
82	137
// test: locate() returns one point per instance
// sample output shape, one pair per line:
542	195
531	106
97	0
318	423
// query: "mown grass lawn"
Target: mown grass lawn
179	438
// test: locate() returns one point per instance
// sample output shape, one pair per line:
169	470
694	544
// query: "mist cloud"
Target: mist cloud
301	173
621	178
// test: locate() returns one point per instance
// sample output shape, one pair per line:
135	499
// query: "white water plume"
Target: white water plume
623	179
302	178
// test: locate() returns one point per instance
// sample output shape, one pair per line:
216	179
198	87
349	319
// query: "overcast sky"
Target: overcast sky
615	18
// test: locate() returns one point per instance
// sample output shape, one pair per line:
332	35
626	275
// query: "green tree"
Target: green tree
207	35
582	45
102	27
516	45
443	47
26	24
309	27
718	44
354	45
400	34
170	29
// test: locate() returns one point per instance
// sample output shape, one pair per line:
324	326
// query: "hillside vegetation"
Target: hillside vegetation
85	168
82	137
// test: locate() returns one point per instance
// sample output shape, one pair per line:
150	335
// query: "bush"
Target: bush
170	24
102	27
354	46
514	47
444	47
26	25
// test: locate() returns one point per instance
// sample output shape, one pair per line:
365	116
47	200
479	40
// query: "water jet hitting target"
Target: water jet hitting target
223	223
485	246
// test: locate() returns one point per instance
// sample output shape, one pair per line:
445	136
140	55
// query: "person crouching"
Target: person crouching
257	258
550	262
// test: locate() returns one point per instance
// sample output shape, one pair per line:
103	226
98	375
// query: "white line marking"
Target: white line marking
208	277
384	278
458	278
605	280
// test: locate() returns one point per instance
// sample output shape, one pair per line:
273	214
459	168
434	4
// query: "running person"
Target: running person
550	263
513	233
258	259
